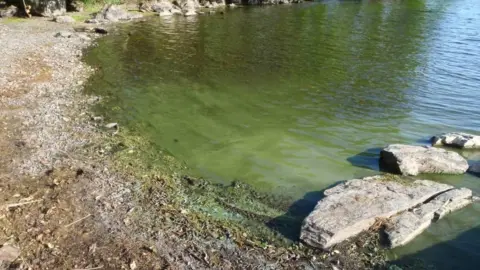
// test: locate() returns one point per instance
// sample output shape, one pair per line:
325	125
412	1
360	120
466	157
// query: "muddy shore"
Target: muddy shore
77	195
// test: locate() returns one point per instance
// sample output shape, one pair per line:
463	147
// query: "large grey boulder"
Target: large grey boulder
46	8
114	13
353	206
409	224
413	160
10	11
456	139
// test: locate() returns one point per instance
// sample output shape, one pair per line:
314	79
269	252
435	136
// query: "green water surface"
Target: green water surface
293	99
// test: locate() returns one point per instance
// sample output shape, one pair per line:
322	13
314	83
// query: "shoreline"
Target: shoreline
86	206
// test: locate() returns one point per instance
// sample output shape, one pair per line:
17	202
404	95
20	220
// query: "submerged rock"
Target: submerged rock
353	207
459	140
409	224
413	160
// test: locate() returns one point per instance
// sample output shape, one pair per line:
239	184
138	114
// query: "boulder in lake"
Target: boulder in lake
354	206
456	139
413	160
406	226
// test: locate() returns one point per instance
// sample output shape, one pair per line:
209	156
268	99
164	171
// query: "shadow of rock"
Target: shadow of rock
290	223
463	252
368	159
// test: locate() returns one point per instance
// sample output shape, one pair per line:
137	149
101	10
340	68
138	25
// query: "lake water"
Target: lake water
292	99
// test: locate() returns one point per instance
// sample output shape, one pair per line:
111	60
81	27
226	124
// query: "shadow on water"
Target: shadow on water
368	159
464	250
289	224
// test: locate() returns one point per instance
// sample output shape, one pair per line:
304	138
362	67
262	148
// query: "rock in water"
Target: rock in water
9	12
353	207
46	8
459	140
409	224
413	160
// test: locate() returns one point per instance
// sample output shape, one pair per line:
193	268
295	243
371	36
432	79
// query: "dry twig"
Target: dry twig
12	205
76	221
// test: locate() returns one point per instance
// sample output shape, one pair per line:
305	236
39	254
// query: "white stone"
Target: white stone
413	160
457	139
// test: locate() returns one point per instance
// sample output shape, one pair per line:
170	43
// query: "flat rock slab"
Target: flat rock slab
409	224
353	206
458	140
413	160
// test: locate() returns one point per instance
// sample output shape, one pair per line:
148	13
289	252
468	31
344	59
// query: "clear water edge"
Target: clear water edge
293	99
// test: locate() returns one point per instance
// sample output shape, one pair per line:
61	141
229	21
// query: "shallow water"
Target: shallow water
292	99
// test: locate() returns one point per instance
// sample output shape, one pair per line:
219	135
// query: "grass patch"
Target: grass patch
13	20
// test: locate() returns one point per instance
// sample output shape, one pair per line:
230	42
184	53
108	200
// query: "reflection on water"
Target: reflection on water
294	98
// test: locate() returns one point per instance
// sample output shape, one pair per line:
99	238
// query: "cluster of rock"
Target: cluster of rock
181	7
405	207
413	160
113	13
